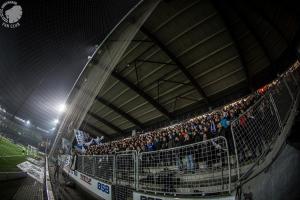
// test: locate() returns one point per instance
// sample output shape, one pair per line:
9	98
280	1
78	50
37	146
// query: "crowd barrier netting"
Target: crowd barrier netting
198	168
256	130
204	167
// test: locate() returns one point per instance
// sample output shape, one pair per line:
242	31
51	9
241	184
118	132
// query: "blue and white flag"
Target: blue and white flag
80	136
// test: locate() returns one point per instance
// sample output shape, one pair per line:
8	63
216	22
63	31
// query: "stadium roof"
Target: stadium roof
190	56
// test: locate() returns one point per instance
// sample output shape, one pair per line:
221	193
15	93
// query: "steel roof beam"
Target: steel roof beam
220	9
143	94
104	121
182	68
120	112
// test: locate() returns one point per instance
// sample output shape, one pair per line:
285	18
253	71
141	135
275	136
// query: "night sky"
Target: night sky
41	59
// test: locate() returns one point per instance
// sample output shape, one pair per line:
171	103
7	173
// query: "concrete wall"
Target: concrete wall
280	181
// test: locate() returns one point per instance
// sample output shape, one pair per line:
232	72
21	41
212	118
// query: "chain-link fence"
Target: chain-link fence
89	165
104	166
202	167
282	99
125	175
257	129
80	164
254	131
100	167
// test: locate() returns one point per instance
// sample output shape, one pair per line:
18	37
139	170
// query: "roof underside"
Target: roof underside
187	56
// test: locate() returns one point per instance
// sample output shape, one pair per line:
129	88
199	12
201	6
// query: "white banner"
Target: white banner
99	188
141	196
32	170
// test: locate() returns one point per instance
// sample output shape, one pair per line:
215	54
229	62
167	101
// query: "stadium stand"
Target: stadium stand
200	159
160	71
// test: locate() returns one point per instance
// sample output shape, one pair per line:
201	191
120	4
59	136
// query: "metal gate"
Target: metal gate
125	175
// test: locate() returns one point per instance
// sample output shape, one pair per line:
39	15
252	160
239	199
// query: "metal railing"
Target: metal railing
207	166
125	181
255	131
98	166
197	168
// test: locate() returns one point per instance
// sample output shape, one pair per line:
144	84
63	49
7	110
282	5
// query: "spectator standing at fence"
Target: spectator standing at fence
150	145
177	153
188	152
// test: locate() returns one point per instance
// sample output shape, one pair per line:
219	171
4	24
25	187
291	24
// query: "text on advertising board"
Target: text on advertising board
103	187
86	179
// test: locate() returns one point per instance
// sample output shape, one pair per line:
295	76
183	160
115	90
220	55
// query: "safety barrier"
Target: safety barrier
204	167
198	168
125	181
100	166
256	130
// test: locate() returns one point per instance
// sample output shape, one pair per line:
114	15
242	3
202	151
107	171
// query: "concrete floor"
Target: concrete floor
21	189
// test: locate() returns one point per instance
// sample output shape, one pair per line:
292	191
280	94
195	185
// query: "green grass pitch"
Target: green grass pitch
10	155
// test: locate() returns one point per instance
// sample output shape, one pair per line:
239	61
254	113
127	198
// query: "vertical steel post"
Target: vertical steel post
235	150
289	89
94	166
137	171
114	170
295	79
276	110
228	161
82	166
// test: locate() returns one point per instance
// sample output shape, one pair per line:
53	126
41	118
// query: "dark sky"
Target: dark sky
41	59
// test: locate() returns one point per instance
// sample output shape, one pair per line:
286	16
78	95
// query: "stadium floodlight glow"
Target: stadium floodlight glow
61	108
55	121
27	122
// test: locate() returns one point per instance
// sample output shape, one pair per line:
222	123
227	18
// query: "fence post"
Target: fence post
114	170
235	150
83	169
289	89
94	166
294	78
137	171
228	161
276	110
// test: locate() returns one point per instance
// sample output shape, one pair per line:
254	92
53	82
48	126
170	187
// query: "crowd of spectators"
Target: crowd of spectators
207	126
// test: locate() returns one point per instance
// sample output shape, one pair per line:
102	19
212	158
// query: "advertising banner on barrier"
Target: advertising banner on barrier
141	196
99	188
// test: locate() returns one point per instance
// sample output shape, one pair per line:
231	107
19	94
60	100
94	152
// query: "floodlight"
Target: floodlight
61	108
